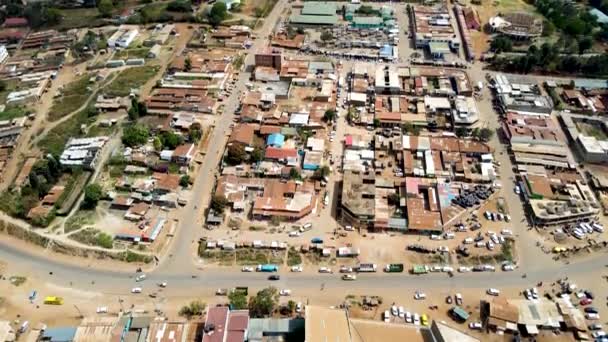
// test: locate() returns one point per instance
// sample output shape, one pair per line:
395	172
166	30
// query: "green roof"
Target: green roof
367	21
314	19
319	8
439	47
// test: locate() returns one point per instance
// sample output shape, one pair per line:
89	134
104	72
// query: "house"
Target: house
3	54
165	182
223	324
471	18
15	22
123	37
83	151
243	134
275	140
288	156
137	211
183	154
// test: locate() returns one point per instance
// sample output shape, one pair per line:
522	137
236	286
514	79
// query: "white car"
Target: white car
468	241
349	277
517	190
493	292
475	325
592	316
324	269
508	267
458	297
449	236
419	295
136	290
346	269
349	228
416	319
294	233
140	277
285	292
490	245
599	333
102	309
408	317
401	312
435	237
443	249
489	268
297	268
435	268
394	311
464	269
299	307
163	284
447	269
387	316
506	232
247	269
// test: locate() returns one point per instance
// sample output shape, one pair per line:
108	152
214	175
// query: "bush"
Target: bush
195	308
238	300
92	194
104	240
135	135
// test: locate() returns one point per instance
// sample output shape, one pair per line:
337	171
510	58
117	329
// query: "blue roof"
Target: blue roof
599	15
59	334
276	139
386	50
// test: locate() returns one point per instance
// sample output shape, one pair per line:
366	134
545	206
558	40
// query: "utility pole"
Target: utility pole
79	312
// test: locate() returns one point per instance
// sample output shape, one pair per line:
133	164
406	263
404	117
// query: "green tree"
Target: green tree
291	306
53	16
485	134
584	44
501	44
376	123
158	144
195	133
135	135
218	203
105	8
257	155
187	64
238	300
264	302
179	6
236	154
134	110
393	199
218	13
171	140
92	194
294	174
329	115
184	181
326	35
321	172
104	240
195	308
462	132
3	85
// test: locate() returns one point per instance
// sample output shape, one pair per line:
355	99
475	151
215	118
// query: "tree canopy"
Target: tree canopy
264	302
218	13
105	8
236	154
238	300
135	135
92	194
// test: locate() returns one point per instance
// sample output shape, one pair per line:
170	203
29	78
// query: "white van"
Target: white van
493	292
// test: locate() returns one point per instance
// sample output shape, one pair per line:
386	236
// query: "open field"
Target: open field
73	96
131	78
56	138
13	112
132	53
79	17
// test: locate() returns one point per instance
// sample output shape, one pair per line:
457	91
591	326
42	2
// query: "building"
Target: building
223	324
15	22
358	199
154	51
3	54
264	329
313	20
319	8
367	22
269	58
432	25
517	25
123	37
58	334
83	152
168	331
588	136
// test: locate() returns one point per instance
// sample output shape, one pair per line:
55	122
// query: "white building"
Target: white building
123	37
83	152
3	54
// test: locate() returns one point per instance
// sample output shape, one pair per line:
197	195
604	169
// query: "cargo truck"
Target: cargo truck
366	268
393	268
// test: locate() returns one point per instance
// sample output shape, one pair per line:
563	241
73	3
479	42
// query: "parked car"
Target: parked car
475	325
349	277
274	277
140	277
136	290
458	297
387	316
247	269
324	269
419	295
285	292
493	292
297	268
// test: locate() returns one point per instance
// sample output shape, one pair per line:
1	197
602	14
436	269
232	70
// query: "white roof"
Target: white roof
358	97
298	119
315	144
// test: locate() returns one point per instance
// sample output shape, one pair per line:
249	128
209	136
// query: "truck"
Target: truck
393	268
419	269
267	268
53	300
366	268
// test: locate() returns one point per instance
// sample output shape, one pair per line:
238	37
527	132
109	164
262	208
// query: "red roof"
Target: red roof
218	317
15	22
280	153
348	140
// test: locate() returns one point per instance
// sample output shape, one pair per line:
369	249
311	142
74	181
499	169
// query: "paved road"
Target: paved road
187	278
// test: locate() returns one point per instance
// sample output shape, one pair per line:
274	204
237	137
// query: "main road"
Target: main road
187	277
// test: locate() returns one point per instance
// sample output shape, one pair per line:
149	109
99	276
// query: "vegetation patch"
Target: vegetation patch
224	258
55	139
132	53
132	78
93	237
79	220
293	257
74	96
12	112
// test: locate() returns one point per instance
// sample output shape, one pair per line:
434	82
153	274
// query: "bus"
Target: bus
52	300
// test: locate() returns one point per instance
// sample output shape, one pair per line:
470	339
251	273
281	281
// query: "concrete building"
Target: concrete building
269	58
358	204
517	25
588	136
83	152
123	37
